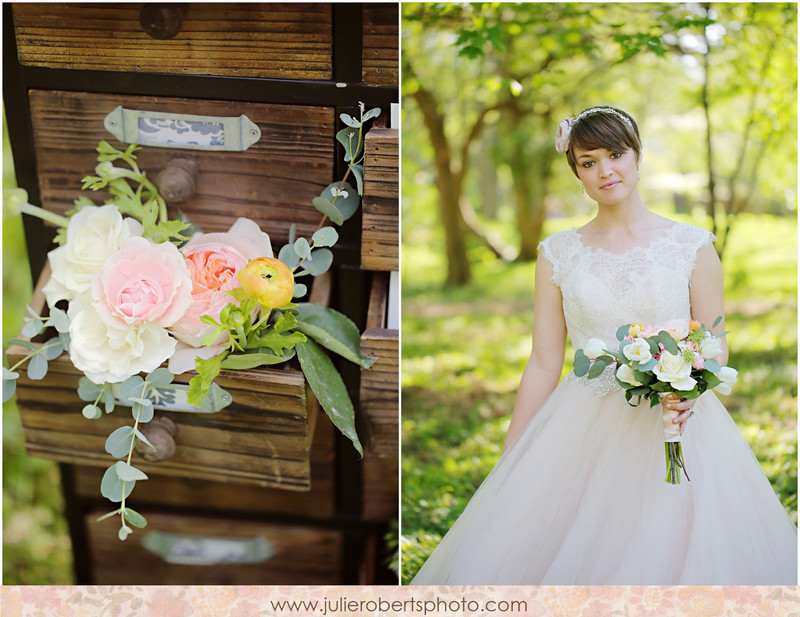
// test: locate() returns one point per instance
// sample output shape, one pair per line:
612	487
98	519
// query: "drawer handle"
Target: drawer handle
176	182
185	131
160	432
161	21
207	550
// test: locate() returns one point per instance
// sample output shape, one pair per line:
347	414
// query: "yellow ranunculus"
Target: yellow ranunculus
268	281
635	329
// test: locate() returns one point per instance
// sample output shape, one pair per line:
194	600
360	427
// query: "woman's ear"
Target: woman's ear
641	156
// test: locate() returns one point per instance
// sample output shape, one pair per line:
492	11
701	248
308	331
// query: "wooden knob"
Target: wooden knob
176	182
161	21
160	432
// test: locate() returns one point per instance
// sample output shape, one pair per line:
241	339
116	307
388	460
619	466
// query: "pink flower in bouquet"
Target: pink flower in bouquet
142	282
213	260
699	362
677	328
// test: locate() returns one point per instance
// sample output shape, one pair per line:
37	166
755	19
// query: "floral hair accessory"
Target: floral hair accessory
562	135
565	126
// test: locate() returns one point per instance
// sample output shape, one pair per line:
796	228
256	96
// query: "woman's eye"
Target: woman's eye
616	155
588	163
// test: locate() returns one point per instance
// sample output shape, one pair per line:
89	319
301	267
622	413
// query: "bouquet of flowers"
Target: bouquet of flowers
131	289
651	361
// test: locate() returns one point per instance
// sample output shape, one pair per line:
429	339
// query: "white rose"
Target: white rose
93	233
594	348
729	377
710	348
112	355
625	373
638	351
675	371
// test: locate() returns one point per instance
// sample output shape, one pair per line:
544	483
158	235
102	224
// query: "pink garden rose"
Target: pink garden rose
677	328
143	282
213	260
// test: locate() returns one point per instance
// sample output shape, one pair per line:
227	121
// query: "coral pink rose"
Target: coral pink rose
213	260
143	282
677	328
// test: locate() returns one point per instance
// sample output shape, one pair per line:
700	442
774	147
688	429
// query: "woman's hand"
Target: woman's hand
673	401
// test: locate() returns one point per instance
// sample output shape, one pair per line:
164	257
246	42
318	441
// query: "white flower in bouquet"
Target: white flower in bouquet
93	234
710	347
625	373
107	354
674	370
595	348
638	351
729	377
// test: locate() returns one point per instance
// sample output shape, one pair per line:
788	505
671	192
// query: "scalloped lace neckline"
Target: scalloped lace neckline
645	247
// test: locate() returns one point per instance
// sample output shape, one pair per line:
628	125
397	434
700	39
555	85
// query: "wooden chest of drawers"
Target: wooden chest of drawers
291	69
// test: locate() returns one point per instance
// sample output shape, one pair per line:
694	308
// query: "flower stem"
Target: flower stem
45	215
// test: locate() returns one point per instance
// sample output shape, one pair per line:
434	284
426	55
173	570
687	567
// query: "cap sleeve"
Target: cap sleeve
557	249
696	238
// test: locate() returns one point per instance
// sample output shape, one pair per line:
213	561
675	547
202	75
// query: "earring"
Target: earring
583	189
638	176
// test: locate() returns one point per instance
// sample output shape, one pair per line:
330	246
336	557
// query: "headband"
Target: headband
565	126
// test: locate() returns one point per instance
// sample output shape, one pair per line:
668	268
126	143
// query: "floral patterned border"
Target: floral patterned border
556	601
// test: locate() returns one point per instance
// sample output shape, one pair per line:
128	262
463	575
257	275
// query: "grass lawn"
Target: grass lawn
464	351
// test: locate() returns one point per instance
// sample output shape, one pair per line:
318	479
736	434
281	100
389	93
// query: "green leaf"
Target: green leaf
276	341
350	121
167	231
92	412
302	248
669	343
622	331
328	209
134	518
372	113
120	442
596	369
333	331
238	362
288	256
285	321
712	381
328	387
142	412
108	399
9	387
712	365
58	319
132	387
32	327
88	390
300	290
52	350
581	364
652	342
292	232
159	378
346	199
716	322
114	489
128	473
140	435
327	236
348	138
37	367
358	173
321	260
23	343
201	383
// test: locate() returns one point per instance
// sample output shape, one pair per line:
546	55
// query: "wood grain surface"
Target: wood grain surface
380	221
273	182
380	51
268	40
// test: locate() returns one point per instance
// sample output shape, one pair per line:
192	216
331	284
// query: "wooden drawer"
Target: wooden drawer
379	488
379	385
380	222
272	183
162	491
230	552
264	437
279	41
380	52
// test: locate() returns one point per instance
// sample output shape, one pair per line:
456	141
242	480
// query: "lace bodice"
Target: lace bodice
602	290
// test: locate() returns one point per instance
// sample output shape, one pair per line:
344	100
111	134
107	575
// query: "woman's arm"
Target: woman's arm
706	294
543	370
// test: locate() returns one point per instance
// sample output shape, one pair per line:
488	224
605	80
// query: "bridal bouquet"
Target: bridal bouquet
131	289
651	361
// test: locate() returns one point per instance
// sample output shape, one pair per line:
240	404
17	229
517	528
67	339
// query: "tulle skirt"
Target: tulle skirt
580	498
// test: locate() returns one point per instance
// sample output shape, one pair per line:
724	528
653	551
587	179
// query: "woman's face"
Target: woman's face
610	177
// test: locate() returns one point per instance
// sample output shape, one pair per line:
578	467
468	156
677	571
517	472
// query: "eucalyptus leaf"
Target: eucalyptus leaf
652	342
350	121
7	374
288	256
712	365
328	209
132	387
300	290
622	331
124	532
120	442
302	248
37	367
140	435
88	390
23	343
65	340
128	473
327	236
32	328
333	331
346	202
134	518
328	387
716	322
372	113
580	364
114	489
159	378
348	137
59	319
596	369
92	412
321	260
9	387
358	173
292	233
142	413
669	343
52	352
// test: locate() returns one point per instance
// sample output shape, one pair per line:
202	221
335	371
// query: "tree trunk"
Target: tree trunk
712	193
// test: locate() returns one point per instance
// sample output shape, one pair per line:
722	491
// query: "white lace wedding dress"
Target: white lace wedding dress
580	497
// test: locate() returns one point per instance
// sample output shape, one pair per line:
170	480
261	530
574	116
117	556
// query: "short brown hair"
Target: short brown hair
600	129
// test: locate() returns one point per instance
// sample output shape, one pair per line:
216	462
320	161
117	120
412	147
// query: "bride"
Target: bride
578	496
